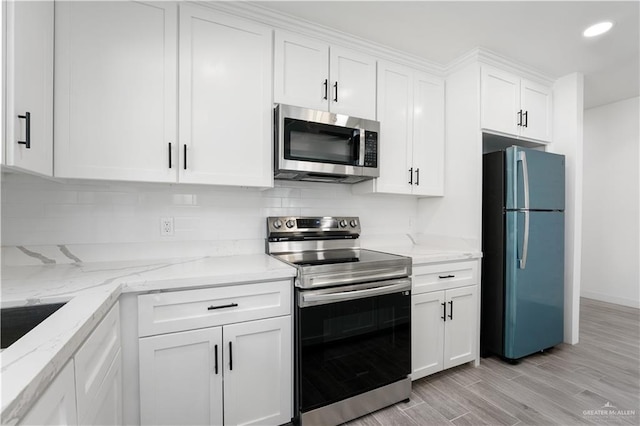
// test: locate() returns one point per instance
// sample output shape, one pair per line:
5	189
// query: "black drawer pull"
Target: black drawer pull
230	305
444	312
446	276
230	357
451	309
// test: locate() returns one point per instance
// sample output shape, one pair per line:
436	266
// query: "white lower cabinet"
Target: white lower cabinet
445	321
88	390
98	368
181	378
57	405
227	368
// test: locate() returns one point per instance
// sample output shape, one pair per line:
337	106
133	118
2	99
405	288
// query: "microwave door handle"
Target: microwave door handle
362	146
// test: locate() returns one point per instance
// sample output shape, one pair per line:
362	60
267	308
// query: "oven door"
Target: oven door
350	340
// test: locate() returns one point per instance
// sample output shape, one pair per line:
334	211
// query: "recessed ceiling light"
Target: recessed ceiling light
597	29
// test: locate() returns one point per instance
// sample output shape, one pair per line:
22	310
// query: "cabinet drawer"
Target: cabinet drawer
94	359
190	309
442	276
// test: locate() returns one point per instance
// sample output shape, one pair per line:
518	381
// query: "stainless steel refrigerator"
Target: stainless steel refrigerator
522	293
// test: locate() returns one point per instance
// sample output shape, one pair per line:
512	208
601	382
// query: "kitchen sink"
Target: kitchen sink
18	321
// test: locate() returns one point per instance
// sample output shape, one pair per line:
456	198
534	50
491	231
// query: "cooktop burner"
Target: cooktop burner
326	252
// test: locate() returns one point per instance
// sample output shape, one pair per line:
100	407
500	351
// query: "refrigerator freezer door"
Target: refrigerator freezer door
534	295
545	183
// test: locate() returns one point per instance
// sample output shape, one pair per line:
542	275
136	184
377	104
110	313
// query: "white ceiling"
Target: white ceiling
546	35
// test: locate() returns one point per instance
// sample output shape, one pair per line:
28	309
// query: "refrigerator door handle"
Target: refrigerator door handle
522	157
525	242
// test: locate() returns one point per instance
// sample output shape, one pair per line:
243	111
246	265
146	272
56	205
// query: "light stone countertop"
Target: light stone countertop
423	255
91	289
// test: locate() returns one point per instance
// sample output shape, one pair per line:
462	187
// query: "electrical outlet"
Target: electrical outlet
166	226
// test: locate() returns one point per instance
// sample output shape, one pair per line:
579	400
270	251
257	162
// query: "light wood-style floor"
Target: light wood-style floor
594	382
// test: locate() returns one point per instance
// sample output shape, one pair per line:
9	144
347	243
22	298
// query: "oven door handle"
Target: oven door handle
310	298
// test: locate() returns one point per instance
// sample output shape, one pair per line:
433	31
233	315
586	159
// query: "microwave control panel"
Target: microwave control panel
370	149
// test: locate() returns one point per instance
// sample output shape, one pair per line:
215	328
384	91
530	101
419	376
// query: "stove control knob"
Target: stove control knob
343	223
290	224
353	223
277	224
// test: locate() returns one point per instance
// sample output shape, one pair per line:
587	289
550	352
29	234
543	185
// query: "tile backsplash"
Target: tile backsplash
37	211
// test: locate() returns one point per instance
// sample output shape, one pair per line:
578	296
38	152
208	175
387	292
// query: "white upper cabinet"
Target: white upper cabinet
301	76
428	135
312	74
117	94
225	99
535	101
29	86
411	115
116	89
515	106
353	83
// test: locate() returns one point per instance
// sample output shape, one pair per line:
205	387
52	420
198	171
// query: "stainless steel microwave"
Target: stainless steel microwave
324	147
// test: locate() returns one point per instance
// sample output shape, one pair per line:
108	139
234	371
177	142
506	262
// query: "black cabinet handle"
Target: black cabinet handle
411	176
526	118
230	357
215	363
326	89
451	309
520	118
444	312
230	305
185	156
335	86
27	141
417	176
446	276
169	154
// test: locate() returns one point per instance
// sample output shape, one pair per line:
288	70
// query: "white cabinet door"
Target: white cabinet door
106	409
301	71
411	115
116	90
258	368
57	405
427	333
500	99
178	379
535	101
461	326
225	99
29	86
94	361
353	83
395	113
428	135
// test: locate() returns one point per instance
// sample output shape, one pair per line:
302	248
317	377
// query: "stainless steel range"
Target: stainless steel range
352	319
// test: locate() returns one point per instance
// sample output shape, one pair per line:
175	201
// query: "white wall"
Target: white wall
458	215
611	229
568	109
37	211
